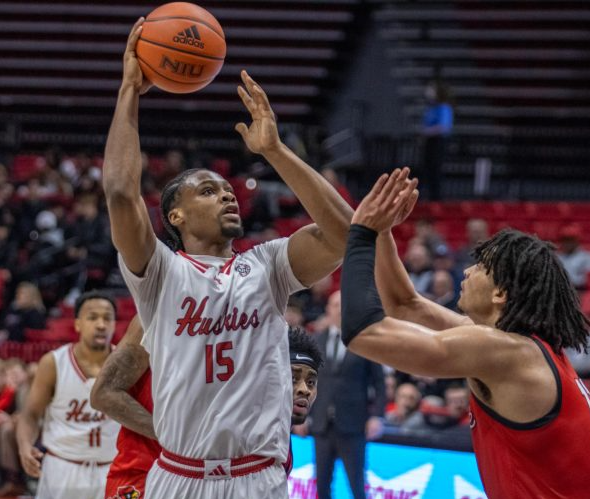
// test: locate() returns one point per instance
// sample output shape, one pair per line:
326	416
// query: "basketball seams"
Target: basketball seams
192	82
188	52
192	19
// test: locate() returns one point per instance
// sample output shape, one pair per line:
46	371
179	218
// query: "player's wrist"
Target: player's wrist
275	152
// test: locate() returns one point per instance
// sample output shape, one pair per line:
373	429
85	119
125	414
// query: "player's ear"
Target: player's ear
499	297
175	216
77	325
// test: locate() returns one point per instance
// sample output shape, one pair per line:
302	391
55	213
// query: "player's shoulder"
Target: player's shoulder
47	367
265	250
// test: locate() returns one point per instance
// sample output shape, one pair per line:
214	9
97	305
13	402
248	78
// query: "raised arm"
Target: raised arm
131	229
27	428
383	210
317	249
120	372
400	299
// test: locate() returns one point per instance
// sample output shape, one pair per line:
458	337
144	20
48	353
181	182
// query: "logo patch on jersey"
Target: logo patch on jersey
128	492
472	421
243	269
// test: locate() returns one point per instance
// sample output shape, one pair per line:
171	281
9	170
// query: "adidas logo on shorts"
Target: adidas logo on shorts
189	36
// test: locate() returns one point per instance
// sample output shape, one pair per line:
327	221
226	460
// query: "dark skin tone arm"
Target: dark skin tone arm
120	372
27	429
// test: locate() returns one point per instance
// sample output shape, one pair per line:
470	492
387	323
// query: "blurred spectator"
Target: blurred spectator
477	231
405	414
344	417
390	387
455	410
314	299
7	393
427	235
437	125
294	313
12	474
82	172
580	362
25	312
442	289
574	258
174	163
419	266
89	245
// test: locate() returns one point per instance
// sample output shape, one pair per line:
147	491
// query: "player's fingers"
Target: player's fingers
377	187
260	97
247	99
248	81
401	185
389	185
134	34
242	129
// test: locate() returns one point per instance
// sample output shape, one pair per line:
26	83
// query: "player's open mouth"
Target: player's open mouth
301	403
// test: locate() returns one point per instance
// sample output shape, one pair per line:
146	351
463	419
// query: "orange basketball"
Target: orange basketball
181	48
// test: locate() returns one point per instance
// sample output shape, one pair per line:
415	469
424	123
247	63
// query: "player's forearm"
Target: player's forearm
122	159
27	429
393	282
321	201
124	409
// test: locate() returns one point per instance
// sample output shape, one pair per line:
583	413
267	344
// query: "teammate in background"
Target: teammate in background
529	411
79	440
213	320
123	391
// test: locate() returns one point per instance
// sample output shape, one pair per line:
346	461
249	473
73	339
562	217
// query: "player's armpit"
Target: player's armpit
462	352
311	256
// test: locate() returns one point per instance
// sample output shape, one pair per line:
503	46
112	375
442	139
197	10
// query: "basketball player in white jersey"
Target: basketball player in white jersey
79	441
213	319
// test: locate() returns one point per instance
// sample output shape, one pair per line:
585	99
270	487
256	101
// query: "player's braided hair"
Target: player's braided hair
168	202
540	297
302	342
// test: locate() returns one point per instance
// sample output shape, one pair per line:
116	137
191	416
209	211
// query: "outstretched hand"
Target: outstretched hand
389	202
132	74
262	136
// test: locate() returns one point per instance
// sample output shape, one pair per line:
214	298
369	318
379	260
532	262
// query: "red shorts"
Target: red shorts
125	484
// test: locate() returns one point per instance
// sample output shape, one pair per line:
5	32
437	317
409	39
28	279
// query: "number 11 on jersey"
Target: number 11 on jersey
221	359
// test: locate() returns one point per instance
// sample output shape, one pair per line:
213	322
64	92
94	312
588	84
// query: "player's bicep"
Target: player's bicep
461	352
132	231
311	257
42	388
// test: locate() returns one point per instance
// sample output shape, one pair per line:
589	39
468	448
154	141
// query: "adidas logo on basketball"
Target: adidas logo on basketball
189	36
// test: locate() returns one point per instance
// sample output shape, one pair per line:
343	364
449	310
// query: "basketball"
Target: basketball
181	48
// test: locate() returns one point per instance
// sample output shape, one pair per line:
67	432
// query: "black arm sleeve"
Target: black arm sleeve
361	305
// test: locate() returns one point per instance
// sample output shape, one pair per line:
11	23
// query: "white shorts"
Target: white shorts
61	479
270	483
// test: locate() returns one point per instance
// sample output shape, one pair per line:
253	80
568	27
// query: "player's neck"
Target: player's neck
489	320
221	249
90	356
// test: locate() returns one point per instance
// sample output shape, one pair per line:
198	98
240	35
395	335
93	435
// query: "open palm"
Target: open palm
262	135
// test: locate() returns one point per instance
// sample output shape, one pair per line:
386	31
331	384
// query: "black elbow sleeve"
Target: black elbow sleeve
361	304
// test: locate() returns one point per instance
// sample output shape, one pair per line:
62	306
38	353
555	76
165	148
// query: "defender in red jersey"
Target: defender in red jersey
530	414
137	450
123	390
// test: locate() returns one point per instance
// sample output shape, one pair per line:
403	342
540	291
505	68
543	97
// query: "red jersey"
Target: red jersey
544	459
126	478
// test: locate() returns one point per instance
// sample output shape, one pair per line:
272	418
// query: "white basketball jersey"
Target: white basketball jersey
71	428
219	350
